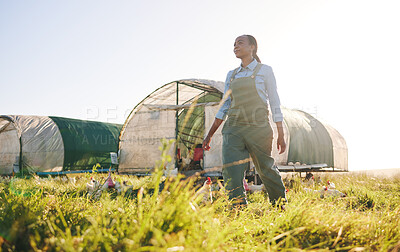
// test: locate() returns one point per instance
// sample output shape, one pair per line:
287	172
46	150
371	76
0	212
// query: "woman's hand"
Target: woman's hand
206	143
280	144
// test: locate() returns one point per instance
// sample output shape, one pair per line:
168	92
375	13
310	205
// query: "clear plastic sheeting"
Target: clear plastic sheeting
213	157
177	107
169	94
139	147
163	112
188	89
340	154
9	147
42	146
310	142
155	118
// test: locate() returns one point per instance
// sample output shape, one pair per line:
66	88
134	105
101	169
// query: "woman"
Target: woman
247	130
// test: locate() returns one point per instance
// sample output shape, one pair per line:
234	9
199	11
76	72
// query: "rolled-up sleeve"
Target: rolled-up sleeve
223	110
273	97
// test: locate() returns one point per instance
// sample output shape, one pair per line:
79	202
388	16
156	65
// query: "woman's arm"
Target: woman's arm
275	105
206	143
280	143
221	114
273	97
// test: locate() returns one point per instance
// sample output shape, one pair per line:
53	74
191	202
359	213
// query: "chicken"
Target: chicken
309	180
170	170
331	185
186	161
109	183
205	190
245	185
326	192
256	188
309	190
93	187
122	188
251	187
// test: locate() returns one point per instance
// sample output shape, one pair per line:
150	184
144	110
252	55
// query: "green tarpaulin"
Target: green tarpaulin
87	143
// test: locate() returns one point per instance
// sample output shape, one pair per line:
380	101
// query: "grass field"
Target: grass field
52	214
58	214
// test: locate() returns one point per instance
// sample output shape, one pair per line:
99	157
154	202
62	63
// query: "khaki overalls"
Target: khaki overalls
248	131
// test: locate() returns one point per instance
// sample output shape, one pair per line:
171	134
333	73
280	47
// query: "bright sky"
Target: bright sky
335	59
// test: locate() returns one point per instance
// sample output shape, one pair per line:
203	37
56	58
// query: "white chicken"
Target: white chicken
326	192
93	187
205	190
251	187
187	160
256	188
331	185
170	170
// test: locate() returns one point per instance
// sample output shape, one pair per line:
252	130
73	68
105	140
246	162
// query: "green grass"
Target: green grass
50	214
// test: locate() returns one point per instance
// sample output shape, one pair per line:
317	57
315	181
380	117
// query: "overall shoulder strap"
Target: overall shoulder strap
234	74
256	70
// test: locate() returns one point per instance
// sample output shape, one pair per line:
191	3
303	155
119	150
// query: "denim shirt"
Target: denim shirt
265	85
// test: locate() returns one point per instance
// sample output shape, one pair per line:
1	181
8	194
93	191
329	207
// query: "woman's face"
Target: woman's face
242	47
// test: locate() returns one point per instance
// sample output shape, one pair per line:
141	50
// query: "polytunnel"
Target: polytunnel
32	144
184	110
